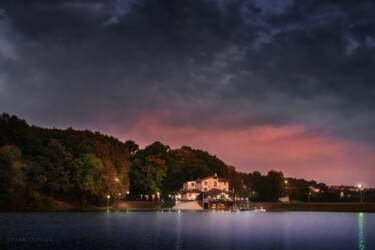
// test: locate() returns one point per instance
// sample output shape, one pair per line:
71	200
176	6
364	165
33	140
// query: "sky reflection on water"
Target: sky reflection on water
189	230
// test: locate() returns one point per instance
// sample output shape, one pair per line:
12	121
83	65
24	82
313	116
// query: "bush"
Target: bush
38	202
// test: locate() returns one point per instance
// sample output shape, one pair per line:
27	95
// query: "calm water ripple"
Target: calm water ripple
187	230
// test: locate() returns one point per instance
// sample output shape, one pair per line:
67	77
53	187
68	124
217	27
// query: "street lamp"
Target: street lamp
119	198
309	196
360	188
108	197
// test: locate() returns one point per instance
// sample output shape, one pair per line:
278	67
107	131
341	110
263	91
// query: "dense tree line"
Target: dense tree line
38	166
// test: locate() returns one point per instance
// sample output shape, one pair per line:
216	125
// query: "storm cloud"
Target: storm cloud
213	65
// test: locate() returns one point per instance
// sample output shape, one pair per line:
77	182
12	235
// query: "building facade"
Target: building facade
211	192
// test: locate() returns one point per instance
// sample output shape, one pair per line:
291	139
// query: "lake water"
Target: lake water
187	230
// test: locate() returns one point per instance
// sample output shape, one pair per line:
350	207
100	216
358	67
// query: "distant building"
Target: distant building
316	190
345	188
284	199
212	192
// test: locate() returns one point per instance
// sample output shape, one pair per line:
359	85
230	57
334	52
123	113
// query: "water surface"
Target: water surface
188	230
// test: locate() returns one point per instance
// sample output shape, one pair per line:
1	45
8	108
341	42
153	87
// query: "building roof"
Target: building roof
221	179
193	191
216	191
182	191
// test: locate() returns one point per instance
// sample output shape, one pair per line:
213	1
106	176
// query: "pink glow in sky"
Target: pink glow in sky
297	150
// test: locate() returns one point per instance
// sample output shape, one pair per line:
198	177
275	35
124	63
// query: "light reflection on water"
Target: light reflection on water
190	230
178	231
361	236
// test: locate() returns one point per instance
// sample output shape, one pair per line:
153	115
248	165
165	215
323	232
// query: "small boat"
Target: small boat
261	209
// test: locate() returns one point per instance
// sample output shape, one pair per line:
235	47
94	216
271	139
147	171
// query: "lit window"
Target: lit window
215	184
192	184
205	183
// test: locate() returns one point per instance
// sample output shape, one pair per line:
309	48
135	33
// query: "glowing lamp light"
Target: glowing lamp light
127	192
108	196
116	179
360	188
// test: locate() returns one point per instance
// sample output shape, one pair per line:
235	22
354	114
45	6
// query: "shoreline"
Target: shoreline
351	207
368	207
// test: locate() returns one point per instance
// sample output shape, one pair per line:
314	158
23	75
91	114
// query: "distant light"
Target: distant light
119	193
108	196
116	179
157	193
127	192
359	186
286	182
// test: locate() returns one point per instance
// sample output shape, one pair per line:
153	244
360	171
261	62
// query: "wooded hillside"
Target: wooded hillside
39	165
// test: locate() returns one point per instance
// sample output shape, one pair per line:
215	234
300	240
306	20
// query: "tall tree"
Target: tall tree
272	186
147	176
11	175
87	174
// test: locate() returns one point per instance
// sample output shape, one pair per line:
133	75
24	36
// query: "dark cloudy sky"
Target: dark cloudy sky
285	85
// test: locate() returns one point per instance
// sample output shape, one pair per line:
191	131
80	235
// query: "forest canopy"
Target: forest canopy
40	165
